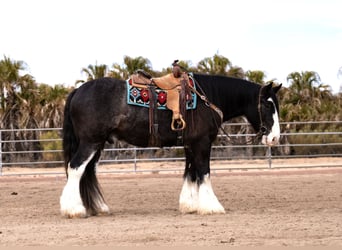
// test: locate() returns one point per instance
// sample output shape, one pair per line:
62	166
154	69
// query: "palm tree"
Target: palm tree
52	100
303	83
94	72
236	71
28	98
185	65
308	98
9	77
18	107
216	65
130	66
12	86
256	76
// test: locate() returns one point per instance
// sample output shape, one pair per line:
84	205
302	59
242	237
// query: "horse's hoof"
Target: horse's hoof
208	211
104	210
76	212
187	209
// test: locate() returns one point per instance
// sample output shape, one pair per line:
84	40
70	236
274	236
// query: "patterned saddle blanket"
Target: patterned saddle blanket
140	96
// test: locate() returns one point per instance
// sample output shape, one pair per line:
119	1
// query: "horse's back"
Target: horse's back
104	89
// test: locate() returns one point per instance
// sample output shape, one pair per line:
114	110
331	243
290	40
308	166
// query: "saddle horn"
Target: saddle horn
176	70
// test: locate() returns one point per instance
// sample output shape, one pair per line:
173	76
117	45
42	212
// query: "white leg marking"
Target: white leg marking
70	200
188	199
273	137
208	202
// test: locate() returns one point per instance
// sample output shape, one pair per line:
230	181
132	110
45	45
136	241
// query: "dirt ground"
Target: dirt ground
277	207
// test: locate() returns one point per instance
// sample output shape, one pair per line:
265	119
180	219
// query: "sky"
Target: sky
57	38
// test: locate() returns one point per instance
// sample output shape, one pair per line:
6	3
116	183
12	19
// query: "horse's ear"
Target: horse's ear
276	88
265	90
269	86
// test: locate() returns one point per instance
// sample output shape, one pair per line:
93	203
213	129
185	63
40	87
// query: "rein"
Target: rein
206	101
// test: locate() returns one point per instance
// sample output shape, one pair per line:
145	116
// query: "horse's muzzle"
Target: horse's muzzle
270	140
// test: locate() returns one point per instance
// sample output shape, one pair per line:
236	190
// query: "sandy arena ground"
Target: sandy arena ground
277	207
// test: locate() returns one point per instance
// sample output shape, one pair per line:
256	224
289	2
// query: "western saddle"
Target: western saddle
175	84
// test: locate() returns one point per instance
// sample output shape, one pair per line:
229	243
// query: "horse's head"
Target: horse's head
268	108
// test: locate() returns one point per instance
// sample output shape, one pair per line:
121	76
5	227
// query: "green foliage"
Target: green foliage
50	142
129	67
308	99
94	72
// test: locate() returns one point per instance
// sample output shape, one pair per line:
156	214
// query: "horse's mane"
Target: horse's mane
215	86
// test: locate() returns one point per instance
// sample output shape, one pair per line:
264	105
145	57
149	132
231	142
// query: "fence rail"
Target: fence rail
42	147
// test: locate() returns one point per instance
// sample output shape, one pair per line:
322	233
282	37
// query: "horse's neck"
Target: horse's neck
253	117
251	110
241	100
235	97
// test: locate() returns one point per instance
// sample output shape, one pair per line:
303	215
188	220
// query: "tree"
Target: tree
16	93
214	65
52	100
9	77
185	65
129	67
307	98
236	71
303	83
94	72
18	108
256	76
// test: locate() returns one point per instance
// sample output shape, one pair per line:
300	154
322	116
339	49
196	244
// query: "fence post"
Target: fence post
269	152
0	153
135	159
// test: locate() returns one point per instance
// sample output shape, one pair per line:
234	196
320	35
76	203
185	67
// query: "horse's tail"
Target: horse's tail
90	190
70	141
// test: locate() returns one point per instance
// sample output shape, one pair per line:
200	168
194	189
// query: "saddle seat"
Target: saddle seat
172	86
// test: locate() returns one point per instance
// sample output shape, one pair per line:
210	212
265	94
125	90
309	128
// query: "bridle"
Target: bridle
263	129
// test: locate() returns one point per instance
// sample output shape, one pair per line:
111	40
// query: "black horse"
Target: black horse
97	112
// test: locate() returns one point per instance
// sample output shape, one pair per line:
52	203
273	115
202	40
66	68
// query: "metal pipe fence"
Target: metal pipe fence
35	148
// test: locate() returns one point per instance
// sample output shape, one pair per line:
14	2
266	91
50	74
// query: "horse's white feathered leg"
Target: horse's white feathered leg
70	201
188	199
207	200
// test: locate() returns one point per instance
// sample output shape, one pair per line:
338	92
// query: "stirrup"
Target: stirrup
180	124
